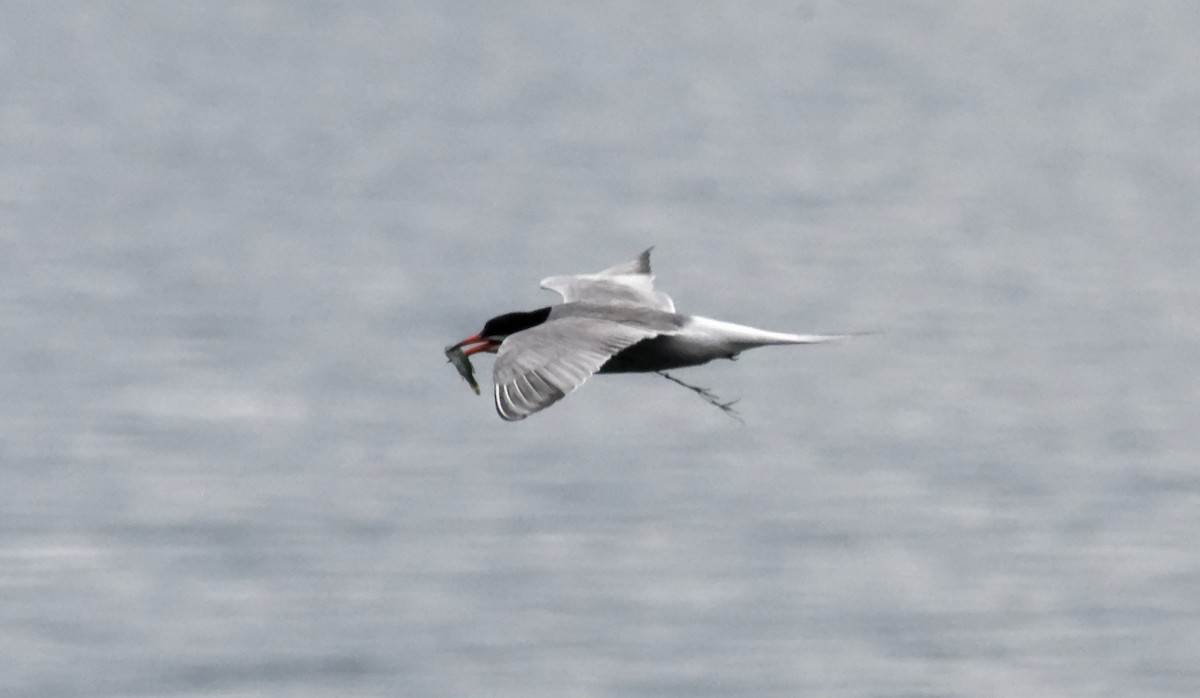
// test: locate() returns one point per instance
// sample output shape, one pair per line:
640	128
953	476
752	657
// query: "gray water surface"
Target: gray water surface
235	237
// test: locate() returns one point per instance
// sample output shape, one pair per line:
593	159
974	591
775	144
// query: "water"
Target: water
236	237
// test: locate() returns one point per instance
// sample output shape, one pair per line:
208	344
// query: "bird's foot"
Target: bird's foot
709	396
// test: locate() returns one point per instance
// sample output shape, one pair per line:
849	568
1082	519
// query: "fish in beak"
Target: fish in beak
457	356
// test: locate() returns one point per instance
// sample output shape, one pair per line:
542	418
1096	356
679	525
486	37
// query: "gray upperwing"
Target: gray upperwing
637	265
628	283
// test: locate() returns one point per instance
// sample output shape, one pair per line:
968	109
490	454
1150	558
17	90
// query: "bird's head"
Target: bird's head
496	330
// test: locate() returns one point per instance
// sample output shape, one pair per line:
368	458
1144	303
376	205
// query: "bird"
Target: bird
612	321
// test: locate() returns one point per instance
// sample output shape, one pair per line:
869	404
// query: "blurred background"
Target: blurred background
235	237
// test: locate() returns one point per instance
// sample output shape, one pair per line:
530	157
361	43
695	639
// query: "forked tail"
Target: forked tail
747	337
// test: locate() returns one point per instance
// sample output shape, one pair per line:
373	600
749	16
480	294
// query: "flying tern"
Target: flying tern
612	321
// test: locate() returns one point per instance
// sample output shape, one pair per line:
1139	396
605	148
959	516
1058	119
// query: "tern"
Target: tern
612	321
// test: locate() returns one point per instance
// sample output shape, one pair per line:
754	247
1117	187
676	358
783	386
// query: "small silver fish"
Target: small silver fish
455	355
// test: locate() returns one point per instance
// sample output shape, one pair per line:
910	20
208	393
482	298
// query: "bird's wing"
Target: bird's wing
536	368
628	283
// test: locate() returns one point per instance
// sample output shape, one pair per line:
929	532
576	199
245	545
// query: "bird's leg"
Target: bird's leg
708	395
